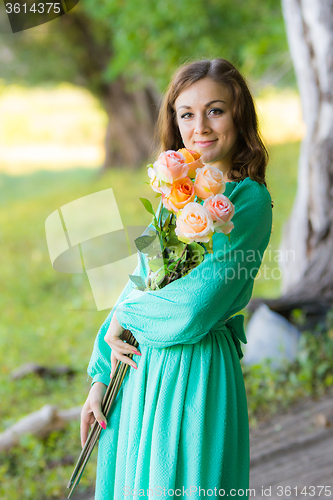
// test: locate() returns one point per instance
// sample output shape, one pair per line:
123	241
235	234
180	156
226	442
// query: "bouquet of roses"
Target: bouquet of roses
176	242
195	209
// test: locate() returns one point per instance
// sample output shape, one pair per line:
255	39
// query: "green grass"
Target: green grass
281	181
51	319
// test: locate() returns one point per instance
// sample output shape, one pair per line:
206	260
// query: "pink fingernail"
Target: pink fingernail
135	367
137	352
102	424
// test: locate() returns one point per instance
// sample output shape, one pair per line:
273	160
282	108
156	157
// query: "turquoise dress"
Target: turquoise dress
180	421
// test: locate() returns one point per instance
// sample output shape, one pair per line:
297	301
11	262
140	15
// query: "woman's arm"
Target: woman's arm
184	311
99	367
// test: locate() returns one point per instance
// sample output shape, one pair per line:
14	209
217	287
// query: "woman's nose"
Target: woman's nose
202	125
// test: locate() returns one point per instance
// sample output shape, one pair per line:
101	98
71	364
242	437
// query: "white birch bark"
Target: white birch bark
308	232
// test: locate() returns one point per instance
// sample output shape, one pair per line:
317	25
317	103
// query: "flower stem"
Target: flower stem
160	217
174	270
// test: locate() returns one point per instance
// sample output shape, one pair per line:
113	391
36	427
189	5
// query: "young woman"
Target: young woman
179	426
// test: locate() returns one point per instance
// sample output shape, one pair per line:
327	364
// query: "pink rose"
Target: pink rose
221	210
170	166
208	182
194	223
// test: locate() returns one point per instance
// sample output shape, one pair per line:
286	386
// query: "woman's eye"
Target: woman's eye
185	115
217	109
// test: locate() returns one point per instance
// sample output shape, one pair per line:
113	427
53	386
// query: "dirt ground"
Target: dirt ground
291	454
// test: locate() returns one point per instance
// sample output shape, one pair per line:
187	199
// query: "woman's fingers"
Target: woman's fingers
121	357
92	410
119	351
87	418
84	432
96	396
114	362
96	408
120	345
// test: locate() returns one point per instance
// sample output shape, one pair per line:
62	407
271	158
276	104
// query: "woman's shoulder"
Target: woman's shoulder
248	189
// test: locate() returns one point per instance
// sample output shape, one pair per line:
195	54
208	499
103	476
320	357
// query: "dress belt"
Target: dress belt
235	326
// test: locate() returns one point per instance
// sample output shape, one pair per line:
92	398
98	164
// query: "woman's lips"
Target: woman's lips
205	144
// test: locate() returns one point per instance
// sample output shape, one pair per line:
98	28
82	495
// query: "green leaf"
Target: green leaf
138	281
156	264
167	220
209	246
195	247
176	246
171	265
197	252
160	276
157	194
143	243
148	206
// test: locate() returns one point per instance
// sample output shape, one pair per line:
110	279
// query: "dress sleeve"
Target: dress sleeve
185	310
99	367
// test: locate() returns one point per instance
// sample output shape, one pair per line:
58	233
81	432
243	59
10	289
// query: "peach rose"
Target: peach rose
182	192
194	223
156	183
193	160
221	210
170	166
208	182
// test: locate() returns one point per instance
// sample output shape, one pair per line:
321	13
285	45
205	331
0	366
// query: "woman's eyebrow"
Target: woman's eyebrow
206	105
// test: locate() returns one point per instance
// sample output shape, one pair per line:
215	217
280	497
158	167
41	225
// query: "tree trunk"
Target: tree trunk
129	139
307	241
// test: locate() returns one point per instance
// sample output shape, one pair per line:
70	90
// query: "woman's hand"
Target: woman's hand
92	410
118	346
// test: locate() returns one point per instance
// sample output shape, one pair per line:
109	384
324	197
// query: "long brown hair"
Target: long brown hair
251	156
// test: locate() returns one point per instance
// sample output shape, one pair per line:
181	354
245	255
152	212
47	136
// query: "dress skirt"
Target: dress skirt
179	424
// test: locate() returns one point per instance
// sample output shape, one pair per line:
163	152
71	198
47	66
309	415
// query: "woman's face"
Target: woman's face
204	118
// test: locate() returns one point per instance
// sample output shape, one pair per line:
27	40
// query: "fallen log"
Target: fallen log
42	371
314	310
39	423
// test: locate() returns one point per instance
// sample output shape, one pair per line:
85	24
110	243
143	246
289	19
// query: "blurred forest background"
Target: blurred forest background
78	104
